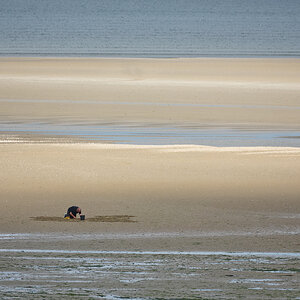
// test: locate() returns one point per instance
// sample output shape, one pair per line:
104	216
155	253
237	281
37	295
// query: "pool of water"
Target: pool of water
159	134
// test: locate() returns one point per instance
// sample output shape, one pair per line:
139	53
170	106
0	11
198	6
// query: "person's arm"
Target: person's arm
71	214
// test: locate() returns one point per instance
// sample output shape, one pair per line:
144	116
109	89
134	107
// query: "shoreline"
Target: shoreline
204	56
162	147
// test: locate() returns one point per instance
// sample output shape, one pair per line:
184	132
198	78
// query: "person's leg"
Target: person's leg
67	216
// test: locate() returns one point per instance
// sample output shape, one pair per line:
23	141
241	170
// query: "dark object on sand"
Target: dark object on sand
82	217
72	212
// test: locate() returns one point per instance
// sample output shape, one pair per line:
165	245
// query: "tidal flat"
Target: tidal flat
187	171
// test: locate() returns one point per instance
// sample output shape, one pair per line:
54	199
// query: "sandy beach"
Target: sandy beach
182	190
166	188
150	197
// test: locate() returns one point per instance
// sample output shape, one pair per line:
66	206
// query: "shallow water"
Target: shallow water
143	133
156	134
37	274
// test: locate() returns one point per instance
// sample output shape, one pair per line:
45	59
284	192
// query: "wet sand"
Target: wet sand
229	92
169	203
148	275
166	222
168	189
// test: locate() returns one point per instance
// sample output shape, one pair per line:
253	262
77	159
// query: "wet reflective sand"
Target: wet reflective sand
148	274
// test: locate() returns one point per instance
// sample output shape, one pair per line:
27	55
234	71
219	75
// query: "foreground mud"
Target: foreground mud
37	274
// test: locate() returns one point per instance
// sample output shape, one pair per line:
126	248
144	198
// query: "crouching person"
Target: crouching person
72	212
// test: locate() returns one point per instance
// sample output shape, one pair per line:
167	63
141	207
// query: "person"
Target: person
72	212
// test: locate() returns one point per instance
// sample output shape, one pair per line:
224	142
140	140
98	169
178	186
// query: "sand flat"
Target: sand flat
180	191
159	218
250	191
118	87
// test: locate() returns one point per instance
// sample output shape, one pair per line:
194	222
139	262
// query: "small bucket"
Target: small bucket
82	217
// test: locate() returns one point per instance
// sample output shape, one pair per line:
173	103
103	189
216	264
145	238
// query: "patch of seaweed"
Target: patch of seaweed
51	219
116	218
108	219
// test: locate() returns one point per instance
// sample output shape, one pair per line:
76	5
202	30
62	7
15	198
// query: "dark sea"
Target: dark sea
150	28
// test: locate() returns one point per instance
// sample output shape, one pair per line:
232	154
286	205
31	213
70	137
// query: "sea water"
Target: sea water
145	28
